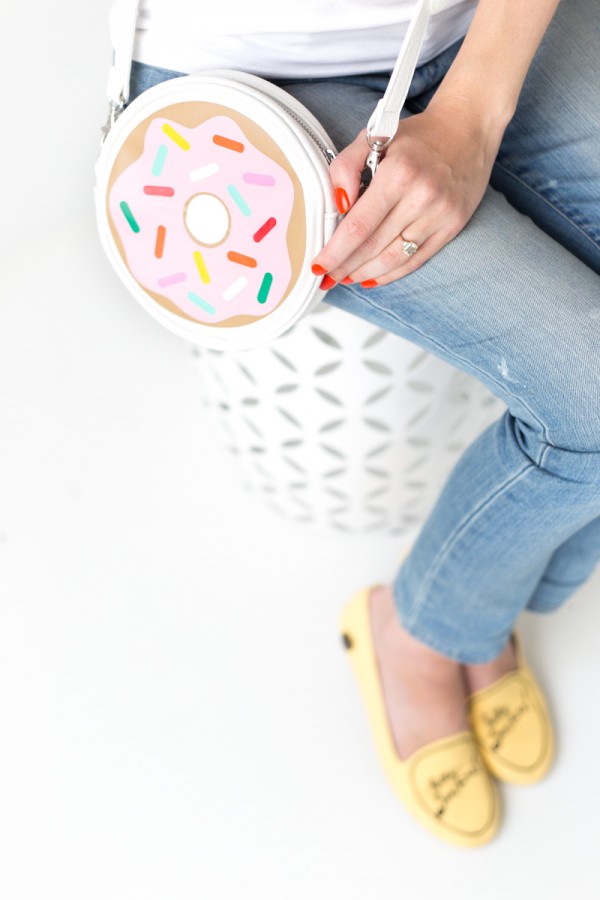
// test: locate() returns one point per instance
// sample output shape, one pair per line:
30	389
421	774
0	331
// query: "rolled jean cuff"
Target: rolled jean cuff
550	595
537	607
467	653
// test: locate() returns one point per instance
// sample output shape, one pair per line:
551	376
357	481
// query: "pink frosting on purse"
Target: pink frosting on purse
202	216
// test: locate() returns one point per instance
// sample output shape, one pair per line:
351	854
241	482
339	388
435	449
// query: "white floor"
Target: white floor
178	716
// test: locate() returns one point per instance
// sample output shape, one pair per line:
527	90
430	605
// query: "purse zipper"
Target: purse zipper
116	110
326	151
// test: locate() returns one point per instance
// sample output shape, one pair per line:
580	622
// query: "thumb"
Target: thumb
345	171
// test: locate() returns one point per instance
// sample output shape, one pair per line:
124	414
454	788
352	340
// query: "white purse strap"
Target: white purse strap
122	21
383	124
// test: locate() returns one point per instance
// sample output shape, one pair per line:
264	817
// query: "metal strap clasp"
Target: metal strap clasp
114	111
377	150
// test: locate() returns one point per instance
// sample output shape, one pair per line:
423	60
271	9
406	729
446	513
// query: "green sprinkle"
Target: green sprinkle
129	216
265	288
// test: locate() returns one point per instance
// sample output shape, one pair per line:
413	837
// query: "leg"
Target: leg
486	545
570	566
507	304
549	169
532	479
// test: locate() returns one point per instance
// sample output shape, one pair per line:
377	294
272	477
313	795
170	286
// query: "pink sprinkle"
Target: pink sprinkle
253	178
172	279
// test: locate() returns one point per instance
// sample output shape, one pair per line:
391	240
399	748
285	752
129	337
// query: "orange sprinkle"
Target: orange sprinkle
241	259
228	143
160	241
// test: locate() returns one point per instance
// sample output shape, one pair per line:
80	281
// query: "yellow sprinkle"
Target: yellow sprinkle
201	267
175	136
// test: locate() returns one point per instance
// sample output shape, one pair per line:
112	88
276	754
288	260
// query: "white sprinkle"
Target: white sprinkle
235	288
204	172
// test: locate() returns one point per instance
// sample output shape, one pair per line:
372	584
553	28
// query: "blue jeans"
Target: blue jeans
514	300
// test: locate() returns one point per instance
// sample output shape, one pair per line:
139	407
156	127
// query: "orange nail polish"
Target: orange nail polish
370	283
346	280
318	270
328	282
341	200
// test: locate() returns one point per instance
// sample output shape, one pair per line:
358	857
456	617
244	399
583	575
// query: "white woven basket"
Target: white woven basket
343	424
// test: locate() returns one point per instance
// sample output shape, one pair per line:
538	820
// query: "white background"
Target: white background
177	716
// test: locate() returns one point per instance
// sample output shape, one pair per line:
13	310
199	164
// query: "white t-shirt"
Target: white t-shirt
281	38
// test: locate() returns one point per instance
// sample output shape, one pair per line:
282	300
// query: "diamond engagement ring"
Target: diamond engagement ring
408	247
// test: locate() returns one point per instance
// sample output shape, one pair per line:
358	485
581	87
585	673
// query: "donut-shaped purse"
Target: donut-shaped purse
213	196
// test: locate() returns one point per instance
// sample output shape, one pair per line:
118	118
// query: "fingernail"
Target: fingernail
318	270
346	280
328	282
370	283
341	200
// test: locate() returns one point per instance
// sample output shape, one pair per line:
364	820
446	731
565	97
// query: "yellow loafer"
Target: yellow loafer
512	727
444	784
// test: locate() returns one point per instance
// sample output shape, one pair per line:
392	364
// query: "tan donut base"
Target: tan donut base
191	114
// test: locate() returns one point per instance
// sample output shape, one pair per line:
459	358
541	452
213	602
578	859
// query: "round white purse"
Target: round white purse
213	193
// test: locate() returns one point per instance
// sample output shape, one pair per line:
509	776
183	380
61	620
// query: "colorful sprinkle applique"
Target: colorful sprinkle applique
129	216
228	144
263	180
204	172
264	230
203	304
159	246
201	266
238	200
176	137
168	280
234	289
159	160
265	287
156	190
241	260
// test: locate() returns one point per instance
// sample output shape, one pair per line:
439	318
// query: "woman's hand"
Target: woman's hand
426	187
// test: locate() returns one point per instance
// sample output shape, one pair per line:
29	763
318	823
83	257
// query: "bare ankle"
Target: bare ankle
482	675
395	639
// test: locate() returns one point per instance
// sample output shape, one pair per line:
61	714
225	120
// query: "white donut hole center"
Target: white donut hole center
207	219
